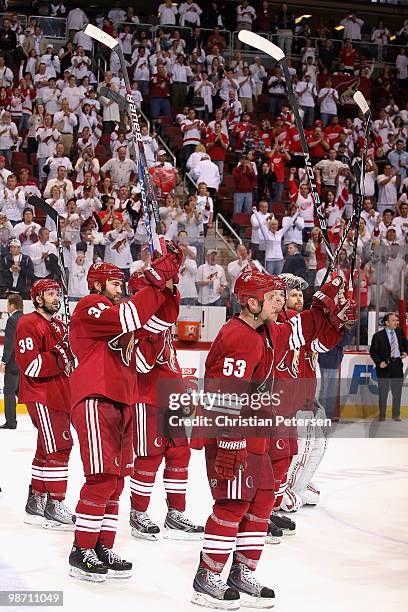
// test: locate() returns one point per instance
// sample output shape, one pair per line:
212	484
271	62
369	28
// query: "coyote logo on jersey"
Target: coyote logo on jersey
123	343
290	363
168	355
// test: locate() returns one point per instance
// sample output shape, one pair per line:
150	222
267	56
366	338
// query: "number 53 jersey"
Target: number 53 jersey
41	378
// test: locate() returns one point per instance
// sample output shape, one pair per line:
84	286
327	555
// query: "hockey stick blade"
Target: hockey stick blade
261	43
361	102
114	96
36	201
101	36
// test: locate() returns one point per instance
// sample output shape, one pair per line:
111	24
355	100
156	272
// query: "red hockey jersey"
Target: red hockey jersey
245	360
239	363
102	337
41	378
295	368
156	359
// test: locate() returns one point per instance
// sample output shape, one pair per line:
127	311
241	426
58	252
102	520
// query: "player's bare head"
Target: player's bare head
46	296
106	279
295	300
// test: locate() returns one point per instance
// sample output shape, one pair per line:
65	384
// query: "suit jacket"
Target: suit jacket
29	44
9	355
24	278
380	349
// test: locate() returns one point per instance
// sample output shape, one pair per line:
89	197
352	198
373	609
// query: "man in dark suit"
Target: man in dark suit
388	348
18	270
8	364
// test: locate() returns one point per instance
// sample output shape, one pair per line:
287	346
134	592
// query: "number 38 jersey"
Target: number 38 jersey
41	378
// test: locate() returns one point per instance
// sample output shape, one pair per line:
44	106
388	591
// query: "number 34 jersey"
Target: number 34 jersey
41	378
102	336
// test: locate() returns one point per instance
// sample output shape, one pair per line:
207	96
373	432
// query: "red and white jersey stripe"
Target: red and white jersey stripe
94	436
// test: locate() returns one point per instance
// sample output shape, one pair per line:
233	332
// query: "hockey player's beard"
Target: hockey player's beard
51	309
115	300
298	306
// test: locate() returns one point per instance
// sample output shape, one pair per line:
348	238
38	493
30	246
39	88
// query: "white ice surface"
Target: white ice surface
350	554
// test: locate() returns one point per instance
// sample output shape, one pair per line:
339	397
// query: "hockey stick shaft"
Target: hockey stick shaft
143	168
51	212
131	108
266	46
143	173
359	206
355	218
308	165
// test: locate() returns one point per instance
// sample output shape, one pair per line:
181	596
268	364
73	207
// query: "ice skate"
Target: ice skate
310	496
252	593
284	522
34	510
142	526
178	526
291	501
274	534
210	591
57	516
117	567
85	565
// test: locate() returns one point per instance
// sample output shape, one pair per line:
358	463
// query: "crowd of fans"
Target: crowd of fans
227	120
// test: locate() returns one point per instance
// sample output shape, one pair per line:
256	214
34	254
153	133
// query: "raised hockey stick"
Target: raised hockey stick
144	176
51	212
266	46
361	102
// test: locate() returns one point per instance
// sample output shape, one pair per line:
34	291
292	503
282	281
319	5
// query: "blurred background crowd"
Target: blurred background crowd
220	141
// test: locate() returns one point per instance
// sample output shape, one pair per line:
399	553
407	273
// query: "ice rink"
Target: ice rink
349	554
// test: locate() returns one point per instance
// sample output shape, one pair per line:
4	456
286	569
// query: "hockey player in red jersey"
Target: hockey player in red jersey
156	363
295	367
46	361
239	468
312	440
103	389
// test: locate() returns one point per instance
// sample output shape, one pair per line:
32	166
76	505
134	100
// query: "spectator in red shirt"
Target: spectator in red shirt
277	158
216	39
108	215
256	143
245	181
107	26
241	131
295	147
318	145
349	57
160	93
332	131
217	145
281	130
